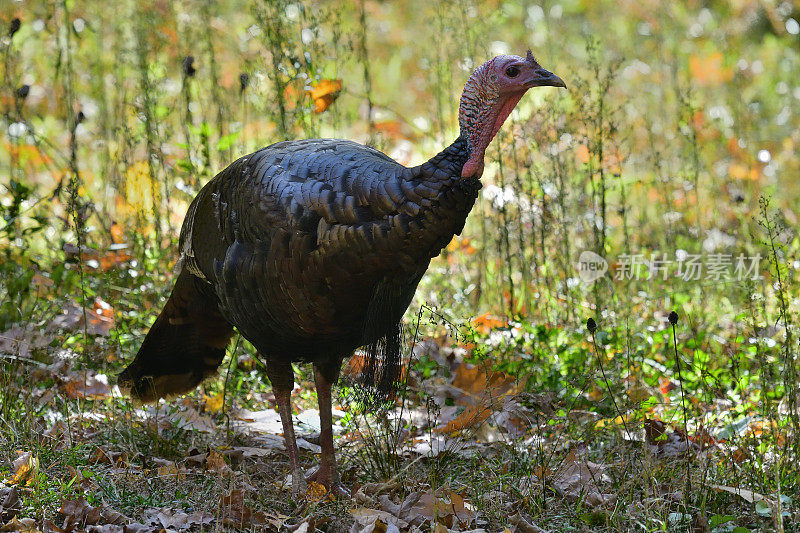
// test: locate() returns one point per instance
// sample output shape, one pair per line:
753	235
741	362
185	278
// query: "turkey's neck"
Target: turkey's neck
450	160
441	199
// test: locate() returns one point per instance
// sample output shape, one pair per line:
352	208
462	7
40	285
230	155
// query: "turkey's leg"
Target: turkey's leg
327	474
281	376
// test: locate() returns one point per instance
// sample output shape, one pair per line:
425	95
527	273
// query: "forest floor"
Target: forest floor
465	447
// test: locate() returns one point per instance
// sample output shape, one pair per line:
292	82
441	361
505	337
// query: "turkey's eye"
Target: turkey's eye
512	71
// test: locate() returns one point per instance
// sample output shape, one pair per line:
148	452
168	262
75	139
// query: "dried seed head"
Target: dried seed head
14	26
244	81
591	325
23	91
188	66
673	318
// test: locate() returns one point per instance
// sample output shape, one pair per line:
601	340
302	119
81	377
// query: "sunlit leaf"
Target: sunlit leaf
324	93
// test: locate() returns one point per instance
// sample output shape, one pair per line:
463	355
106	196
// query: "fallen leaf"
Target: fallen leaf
523	526
654	430
366	517
78	512
21	525
10	503
171	470
186	418
582	480
214	404
316	492
177	519
448	508
249	451
265	421
108	457
478	381
86	384
99	318
25	467
215	462
481	392
469	417
235	513
20	341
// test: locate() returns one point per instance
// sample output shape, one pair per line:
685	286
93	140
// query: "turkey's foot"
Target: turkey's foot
328	477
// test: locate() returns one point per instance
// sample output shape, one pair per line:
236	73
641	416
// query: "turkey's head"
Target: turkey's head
491	93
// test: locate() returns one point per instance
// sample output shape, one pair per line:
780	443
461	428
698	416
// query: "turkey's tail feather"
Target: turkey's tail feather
184	346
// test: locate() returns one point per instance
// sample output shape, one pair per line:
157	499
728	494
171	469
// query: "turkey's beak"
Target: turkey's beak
545	78
541	77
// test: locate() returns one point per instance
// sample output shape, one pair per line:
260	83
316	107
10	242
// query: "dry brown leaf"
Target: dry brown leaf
186	418
316	492
99	318
371	517
10	503
448	508
402	510
20	341
177	519
215	462
582	480
250	451
108	457
478	381
171	470
21	525
523	526
235	513
78	512
86	384
469	418
483	393
378	526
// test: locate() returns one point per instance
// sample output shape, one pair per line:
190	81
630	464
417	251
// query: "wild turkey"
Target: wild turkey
314	248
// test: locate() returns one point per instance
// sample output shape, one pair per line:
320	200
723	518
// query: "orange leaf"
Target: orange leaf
708	70
470	417
487	322
117	233
324	92
582	153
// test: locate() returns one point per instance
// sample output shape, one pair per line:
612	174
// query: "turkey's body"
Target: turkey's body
301	240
